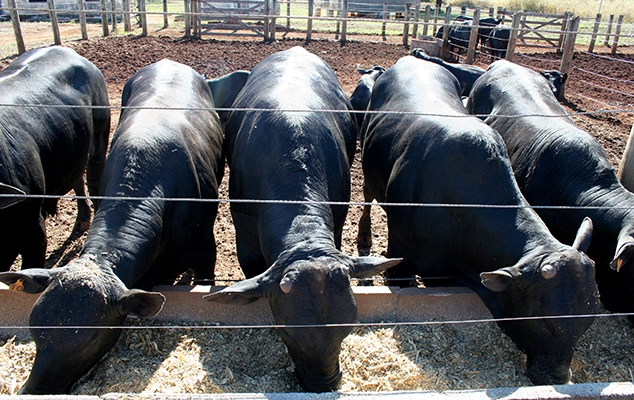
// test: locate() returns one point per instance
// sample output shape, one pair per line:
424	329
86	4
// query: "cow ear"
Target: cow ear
624	251
367	267
500	280
564	77
226	88
584	236
141	303
32	280
244	292
7	201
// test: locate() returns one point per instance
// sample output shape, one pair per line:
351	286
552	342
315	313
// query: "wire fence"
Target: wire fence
213	326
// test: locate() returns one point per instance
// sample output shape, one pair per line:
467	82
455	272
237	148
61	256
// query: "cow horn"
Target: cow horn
286	284
548	271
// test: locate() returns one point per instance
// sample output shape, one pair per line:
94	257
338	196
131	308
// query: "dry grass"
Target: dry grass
152	359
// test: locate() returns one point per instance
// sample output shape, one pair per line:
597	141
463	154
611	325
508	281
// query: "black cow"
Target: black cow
360	98
558	164
156	153
485	27
45	149
499	247
290	251
465	73
459	35
498	41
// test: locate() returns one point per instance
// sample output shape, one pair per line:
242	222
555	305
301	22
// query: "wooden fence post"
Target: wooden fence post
338	25
104	18
617	34
54	24
444	51
113	7
597	23
267	10
406	24
607	33
565	24
416	17
127	24
196	31
188	21
166	22
426	24
510	49
309	23
473	37
344	22
143	16
569	50
17	30
435	18
288	15
82	19
273	23
384	25
491	12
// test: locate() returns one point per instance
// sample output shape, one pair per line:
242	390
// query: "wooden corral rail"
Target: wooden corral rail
253	17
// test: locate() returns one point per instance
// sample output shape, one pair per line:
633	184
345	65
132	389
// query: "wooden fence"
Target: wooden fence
258	17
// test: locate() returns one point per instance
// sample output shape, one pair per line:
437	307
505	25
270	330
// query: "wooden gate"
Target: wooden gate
236	17
539	30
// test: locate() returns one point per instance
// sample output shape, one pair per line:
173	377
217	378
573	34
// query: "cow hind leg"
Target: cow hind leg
202	264
251	260
364	236
83	208
33	250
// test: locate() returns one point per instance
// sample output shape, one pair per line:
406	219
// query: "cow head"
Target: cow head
67	322
556	81
313	292
541	284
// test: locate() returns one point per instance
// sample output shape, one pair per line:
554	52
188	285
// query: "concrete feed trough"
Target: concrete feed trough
375	303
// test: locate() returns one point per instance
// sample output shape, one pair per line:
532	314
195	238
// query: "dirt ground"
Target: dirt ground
458	358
